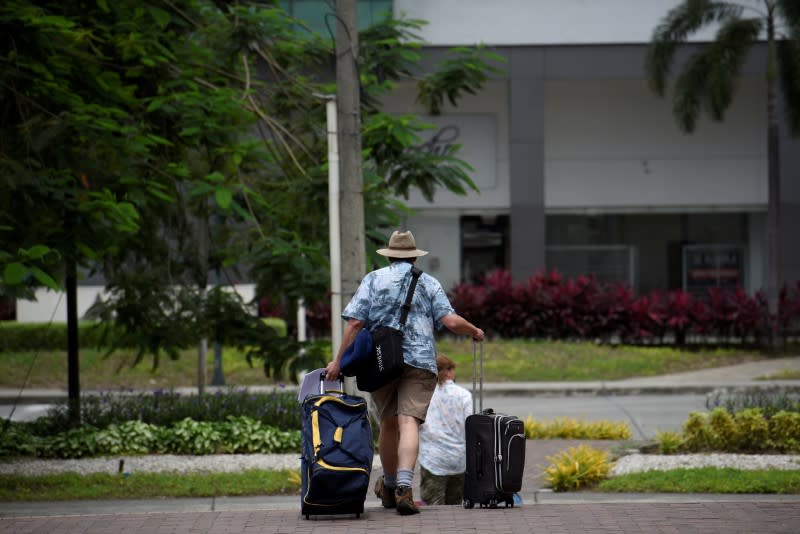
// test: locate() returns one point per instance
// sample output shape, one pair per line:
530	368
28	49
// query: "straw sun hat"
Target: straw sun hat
402	245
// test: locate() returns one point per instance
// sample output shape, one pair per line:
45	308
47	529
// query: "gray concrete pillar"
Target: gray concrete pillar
526	137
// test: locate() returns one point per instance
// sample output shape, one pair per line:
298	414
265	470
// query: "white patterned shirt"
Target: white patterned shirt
442	439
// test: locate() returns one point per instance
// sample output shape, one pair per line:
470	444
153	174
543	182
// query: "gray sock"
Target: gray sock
405	477
390	481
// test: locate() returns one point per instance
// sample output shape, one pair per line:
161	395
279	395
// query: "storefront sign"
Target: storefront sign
707	266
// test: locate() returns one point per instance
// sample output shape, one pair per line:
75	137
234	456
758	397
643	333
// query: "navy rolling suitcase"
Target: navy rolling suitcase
337	453
495	454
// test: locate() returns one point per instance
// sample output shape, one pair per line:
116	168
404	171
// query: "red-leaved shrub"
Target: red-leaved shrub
548	305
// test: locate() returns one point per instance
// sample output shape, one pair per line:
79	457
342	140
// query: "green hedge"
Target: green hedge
19	337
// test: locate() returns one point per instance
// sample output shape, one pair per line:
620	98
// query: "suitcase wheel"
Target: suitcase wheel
359	515
510	502
468	503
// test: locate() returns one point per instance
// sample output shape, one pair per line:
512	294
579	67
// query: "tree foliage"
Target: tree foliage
159	141
707	82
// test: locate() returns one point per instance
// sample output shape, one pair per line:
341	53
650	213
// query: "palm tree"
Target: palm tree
707	81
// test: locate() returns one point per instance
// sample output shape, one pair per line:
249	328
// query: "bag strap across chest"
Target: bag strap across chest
406	307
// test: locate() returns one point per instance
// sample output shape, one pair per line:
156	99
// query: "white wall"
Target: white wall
610	145
53	304
439	234
482	122
537	22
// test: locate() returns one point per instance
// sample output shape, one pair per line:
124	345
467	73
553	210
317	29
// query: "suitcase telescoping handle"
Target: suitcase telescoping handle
475	376
322	381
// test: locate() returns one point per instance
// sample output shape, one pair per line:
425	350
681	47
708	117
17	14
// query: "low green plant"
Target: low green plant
784	431
669	442
752	429
236	435
746	431
193	437
245	435
723	433
576	468
130	437
17	440
569	428
696	436
74	443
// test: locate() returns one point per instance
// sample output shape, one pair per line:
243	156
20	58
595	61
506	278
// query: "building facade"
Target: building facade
583	169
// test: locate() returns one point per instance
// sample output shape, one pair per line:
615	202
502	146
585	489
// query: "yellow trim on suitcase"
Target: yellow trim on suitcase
327	398
326	465
316	441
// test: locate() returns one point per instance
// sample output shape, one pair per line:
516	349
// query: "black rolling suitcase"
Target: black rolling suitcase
337	453
495	453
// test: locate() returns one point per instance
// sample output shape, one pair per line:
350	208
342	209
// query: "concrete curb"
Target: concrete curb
532	389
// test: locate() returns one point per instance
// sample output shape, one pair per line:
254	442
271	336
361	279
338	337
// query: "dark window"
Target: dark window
484	245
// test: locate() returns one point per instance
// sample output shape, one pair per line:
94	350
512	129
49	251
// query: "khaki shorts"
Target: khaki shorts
409	394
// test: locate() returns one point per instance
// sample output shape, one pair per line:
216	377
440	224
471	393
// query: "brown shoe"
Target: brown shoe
405	501
386	495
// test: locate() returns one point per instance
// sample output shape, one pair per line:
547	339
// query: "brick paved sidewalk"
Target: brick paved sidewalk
551	518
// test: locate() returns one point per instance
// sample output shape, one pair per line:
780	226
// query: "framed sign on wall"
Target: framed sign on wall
707	266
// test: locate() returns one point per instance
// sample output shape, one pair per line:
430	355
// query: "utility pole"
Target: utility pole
349	127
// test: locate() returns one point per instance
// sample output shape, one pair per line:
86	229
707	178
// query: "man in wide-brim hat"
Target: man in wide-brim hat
403	403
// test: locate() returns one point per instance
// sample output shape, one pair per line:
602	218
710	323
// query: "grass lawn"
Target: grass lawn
504	360
787	374
527	360
705	480
72	486
50	370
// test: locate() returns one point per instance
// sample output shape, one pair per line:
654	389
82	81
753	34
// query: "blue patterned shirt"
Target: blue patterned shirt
378	301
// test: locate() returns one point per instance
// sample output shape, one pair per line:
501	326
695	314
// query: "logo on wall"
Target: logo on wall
442	142
472	138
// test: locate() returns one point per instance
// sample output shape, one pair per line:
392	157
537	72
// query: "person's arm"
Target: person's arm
351	330
458	325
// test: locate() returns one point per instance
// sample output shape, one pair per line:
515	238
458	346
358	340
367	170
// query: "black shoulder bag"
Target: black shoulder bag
386	360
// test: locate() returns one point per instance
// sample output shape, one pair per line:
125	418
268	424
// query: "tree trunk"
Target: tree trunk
773	181
73	357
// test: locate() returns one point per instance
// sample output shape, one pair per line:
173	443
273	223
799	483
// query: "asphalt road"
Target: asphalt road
646	414
24	412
